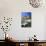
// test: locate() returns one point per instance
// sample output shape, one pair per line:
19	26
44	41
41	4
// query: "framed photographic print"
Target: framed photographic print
26	19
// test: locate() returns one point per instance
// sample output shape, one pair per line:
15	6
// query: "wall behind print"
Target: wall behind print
13	8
